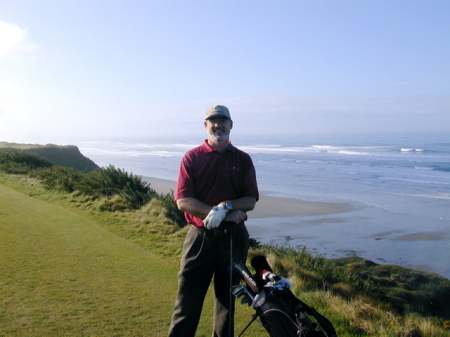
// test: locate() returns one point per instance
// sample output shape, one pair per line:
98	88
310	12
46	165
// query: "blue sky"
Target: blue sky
86	69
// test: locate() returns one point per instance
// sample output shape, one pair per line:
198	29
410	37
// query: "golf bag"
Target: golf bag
280	312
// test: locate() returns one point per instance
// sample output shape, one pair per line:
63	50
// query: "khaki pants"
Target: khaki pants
205	255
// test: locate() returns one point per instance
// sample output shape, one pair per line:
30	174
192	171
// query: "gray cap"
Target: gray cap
217	111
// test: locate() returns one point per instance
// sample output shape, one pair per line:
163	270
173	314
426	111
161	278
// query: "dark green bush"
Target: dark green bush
15	161
110	181
254	244
122	190
60	178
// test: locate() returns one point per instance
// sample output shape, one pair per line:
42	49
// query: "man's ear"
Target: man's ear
231	124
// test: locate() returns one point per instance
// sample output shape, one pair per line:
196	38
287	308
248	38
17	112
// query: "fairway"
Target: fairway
64	275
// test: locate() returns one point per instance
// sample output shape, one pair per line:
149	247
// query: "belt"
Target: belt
221	231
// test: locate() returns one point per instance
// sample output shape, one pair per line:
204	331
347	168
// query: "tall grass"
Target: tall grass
123	190
362	298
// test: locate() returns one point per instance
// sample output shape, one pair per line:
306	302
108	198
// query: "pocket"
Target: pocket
193	244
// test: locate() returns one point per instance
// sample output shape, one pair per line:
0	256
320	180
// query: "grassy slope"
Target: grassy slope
69	155
64	274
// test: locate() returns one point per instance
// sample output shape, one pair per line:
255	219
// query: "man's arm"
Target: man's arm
244	204
194	207
200	210
240	208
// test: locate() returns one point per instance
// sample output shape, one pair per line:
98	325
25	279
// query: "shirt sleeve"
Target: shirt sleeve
250	183
185	183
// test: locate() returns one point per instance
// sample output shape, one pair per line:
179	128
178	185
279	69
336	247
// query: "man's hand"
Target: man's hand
215	217
236	216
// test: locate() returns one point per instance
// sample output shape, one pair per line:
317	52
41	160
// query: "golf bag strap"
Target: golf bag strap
326	325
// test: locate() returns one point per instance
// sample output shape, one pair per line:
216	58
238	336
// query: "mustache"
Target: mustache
219	128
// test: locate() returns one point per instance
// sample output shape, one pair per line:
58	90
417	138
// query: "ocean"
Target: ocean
399	185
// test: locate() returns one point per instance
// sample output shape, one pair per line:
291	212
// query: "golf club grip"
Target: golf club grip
247	277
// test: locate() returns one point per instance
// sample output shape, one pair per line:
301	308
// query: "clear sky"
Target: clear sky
78	69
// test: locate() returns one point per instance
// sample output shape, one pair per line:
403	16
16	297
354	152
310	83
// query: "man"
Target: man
216	187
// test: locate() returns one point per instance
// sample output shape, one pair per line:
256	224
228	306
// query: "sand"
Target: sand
160	185
269	206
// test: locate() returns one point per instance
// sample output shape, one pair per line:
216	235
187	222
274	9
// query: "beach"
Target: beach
335	229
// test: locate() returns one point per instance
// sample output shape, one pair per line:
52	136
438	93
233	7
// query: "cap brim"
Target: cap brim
217	115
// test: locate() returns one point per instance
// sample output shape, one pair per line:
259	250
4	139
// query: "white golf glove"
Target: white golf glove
276	281
215	217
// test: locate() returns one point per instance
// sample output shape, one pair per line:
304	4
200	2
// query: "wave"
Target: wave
440	196
425	168
363	151
125	152
415	181
412	150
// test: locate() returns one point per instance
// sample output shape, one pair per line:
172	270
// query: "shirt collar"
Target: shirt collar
207	148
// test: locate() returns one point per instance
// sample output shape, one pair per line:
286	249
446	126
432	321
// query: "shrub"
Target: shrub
118	189
61	178
110	181
254	244
20	162
172	209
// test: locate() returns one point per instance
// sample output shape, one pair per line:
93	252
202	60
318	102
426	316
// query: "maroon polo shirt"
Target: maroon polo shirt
213	177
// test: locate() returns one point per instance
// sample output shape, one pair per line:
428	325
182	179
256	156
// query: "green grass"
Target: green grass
62	274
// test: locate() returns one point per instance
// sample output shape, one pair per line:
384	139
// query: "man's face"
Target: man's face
218	129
